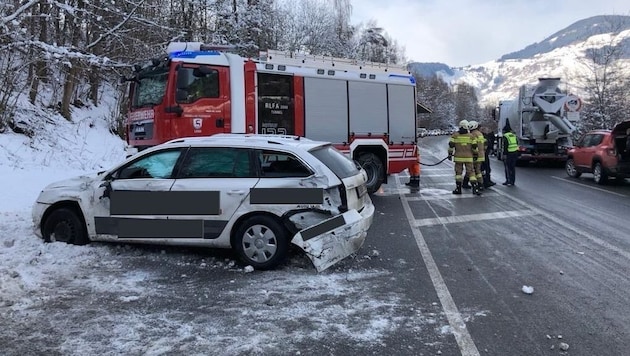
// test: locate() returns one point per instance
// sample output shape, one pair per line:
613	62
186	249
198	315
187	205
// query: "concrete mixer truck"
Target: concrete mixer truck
543	117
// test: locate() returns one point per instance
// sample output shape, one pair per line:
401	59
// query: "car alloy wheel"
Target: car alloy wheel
571	170
599	176
260	241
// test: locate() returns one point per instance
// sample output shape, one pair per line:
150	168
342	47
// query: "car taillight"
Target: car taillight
611	152
522	149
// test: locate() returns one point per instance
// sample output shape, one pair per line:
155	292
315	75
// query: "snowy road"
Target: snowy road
444	276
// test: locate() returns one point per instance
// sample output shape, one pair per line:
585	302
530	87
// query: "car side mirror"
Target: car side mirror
108	188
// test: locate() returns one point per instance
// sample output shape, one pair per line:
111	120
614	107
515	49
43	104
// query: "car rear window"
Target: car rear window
339	163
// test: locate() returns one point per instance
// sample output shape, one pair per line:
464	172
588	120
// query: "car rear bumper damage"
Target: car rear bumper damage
334	239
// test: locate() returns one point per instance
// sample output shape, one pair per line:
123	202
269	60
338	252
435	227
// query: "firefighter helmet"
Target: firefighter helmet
463	124
472	125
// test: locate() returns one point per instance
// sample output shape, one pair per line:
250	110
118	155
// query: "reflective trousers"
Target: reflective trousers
459	169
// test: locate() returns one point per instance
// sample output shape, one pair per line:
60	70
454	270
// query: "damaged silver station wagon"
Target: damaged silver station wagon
252	193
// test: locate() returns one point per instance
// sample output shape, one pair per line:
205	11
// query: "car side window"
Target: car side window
584	141
275	164
159	165
596	140
216	162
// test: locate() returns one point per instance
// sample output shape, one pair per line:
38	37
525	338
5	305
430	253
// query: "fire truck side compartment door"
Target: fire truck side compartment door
402	116
326	109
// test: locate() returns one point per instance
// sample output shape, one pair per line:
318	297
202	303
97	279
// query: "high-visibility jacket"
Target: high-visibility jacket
512	142
462	147
480	139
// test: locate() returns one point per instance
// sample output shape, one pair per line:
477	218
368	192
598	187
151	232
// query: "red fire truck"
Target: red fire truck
197	90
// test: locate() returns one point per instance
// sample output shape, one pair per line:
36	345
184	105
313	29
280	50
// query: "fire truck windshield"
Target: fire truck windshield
150	88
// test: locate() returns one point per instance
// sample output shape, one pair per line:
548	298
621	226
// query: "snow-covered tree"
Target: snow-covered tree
607	83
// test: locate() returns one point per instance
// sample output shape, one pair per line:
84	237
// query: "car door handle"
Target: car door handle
236	192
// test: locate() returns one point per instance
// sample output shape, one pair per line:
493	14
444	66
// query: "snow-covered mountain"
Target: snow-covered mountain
559	55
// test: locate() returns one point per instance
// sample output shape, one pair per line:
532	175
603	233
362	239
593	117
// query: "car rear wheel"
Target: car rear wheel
64	225
261	242
375	171
571	170
599	175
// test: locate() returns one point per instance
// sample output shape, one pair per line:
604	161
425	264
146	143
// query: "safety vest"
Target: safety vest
512	143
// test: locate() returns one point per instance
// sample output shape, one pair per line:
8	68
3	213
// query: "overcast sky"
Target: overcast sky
463	32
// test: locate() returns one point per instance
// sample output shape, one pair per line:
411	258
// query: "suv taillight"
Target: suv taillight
611	152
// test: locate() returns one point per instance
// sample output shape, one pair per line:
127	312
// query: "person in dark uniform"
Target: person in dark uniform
510	149
485	168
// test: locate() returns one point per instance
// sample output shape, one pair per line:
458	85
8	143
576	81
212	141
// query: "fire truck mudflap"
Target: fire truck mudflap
334	239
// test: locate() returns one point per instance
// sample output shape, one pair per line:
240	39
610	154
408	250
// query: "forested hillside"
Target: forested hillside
56	56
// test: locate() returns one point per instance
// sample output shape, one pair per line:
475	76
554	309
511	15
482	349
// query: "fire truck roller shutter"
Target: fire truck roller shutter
368	107
326	109
402	114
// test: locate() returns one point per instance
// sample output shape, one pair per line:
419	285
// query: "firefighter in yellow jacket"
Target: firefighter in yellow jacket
480	139
462	148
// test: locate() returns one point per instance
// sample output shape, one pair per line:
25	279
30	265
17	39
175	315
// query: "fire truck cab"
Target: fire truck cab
369	113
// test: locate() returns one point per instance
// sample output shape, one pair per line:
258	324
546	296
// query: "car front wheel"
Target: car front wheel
64	225
571	170
261	242
599	175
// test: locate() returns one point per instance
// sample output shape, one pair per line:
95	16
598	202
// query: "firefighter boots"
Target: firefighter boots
466	184
475	188
458	189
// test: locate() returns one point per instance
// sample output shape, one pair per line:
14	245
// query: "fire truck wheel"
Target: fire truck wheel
64	225
261	242
375	170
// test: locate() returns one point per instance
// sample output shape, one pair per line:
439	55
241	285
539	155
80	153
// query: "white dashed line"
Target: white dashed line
449	196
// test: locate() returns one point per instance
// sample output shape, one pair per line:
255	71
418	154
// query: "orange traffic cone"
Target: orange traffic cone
414	175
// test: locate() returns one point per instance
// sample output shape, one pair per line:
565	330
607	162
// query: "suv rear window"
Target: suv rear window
339	163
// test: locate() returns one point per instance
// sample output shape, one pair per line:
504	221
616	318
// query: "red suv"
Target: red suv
604	153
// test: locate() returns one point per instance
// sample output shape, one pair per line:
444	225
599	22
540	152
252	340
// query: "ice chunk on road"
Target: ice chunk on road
528	290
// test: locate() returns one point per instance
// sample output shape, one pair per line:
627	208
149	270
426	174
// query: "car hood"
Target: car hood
620	128
78	183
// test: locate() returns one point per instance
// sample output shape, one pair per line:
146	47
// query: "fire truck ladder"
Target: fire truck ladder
325	62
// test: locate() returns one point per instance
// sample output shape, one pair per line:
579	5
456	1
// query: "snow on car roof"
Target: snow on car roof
253	139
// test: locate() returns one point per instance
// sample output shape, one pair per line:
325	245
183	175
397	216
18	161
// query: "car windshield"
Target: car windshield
150	87
339	163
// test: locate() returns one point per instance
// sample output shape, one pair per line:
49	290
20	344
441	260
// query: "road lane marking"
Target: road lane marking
442	220
568	226
436	169
435	175
450	196
588	186
455	319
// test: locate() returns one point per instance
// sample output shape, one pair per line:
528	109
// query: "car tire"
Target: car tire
64	225
261	242
599	175
572	171
375	171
